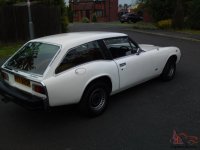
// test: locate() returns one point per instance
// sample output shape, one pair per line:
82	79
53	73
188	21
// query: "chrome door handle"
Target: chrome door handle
122	64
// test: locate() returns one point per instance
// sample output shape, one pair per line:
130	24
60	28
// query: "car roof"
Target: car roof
76	38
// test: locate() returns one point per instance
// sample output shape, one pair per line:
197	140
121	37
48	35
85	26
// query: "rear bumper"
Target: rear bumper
22	98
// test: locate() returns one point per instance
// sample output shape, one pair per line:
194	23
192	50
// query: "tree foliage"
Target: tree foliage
178	10
193	16
160	9
70	13
178	18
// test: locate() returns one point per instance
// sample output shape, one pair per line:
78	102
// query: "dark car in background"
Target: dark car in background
130	17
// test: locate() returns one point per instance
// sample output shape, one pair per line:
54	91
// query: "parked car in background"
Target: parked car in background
130	17
82	68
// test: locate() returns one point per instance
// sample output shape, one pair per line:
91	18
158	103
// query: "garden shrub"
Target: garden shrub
165	24
85	20
94	18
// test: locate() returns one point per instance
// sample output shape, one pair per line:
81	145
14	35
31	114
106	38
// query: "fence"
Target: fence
14	23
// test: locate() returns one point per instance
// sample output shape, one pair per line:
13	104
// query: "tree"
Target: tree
70	13
120	6
178	10
125	6
193	20
160	9
178	19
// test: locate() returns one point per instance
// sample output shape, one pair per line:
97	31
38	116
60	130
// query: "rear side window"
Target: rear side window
81	54
119	47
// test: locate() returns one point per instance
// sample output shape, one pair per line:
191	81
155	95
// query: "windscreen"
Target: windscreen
34	57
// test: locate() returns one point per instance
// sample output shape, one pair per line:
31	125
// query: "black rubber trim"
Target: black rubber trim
22	98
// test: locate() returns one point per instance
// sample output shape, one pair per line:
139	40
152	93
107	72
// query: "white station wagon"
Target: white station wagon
82	68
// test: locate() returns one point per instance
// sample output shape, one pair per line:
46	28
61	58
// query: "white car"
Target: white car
82	68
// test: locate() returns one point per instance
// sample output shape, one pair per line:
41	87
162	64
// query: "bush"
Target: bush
165	24
85	20
64	23
70	14
178	18
94	18
192	20
144	25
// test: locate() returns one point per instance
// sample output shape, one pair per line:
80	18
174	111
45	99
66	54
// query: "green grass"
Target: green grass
189	31
138	25
144	26
8	49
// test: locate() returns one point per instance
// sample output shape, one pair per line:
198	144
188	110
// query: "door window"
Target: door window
120	47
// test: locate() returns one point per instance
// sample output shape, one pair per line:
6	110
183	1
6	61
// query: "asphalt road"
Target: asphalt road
141	118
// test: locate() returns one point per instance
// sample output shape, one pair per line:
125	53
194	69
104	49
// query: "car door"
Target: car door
133	68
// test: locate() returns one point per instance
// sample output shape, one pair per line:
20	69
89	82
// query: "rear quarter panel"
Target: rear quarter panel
67	87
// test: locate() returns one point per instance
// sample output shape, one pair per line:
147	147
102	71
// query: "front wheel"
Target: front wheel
169	70
94	100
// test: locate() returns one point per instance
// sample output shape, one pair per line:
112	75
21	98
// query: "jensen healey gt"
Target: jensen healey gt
82	68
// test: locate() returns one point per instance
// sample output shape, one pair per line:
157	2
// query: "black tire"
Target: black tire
94	100
169	70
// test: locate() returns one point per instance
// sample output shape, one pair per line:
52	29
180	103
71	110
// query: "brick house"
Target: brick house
105	10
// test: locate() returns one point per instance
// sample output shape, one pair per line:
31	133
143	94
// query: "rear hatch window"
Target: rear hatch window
34	57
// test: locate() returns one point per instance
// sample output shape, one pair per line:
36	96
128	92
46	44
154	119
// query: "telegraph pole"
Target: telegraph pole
31	29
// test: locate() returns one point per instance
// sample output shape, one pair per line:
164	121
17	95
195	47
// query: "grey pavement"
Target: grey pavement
141	118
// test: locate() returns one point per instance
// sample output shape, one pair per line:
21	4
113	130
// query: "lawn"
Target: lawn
8	49
189	31
151	26
138	25
144	26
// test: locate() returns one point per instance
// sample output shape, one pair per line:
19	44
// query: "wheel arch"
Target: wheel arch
102	78
172	57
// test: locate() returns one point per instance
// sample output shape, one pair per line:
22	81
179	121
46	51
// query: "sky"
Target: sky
126	1
120	1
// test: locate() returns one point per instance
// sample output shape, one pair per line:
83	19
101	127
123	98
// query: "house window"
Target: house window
99	13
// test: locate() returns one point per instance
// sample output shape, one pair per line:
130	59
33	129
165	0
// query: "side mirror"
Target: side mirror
138	51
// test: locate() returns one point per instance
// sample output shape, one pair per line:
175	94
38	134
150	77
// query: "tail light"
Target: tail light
38	88
5	76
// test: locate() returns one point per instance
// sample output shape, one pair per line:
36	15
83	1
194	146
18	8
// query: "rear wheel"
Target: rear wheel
94	100
169	70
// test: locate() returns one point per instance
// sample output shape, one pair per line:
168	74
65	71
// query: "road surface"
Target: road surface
141	118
